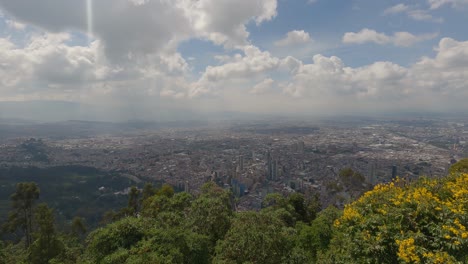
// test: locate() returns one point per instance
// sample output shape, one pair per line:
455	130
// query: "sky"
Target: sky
248	56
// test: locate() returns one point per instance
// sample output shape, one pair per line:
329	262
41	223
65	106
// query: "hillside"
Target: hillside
399	222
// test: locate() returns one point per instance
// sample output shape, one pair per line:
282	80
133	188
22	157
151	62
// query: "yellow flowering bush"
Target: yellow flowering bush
422	222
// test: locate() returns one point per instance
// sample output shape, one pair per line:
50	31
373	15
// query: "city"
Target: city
253	159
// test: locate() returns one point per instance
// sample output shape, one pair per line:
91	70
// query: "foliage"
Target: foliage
423	222
46	245
460	167
70	190
398	222
314	239
294	208
78	227
22	202
255	238
210	214
119	235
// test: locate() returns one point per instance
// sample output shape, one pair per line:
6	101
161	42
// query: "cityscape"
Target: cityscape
253	159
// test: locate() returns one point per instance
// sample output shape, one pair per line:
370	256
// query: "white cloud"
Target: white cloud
15	24
262	87
135	28
402	39
396	9
252	63
365	35
405	39
412	12
223	21
134	58
435	4
293	38
441	79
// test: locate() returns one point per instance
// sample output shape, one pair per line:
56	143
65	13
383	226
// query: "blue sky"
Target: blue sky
267	56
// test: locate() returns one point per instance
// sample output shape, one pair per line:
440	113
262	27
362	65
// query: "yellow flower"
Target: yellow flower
407	250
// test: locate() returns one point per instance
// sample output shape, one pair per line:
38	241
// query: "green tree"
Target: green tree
122	234
146	240
459	167
423	222
304	210
133	201
78	227
21	216
210	214
315	238
148	191
255	238
166	190
46	244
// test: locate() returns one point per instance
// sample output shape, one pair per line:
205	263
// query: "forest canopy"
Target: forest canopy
398	222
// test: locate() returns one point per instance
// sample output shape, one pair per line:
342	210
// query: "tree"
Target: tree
210	214
166	190
148	191
78	226
21	217
255	238
122	234
423	222
133	201
459	167
315	238
46	244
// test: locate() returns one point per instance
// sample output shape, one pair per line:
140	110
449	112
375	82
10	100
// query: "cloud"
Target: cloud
15	24
412	12
293	38
47	63
435	4
133	53
253	64
133	59
365	35
441	79
396	9
223	21
405	39
133	29
262	87
402	39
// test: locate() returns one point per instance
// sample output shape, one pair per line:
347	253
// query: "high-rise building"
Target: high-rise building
371	178
274	171
269	165
300	146
241	162
186	187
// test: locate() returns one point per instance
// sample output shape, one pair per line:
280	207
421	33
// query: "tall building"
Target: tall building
371	178
274	171
241	162
394	171
186	187
300	146
269	165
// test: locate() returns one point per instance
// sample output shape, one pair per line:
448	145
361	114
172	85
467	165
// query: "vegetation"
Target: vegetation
398	222
70	190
